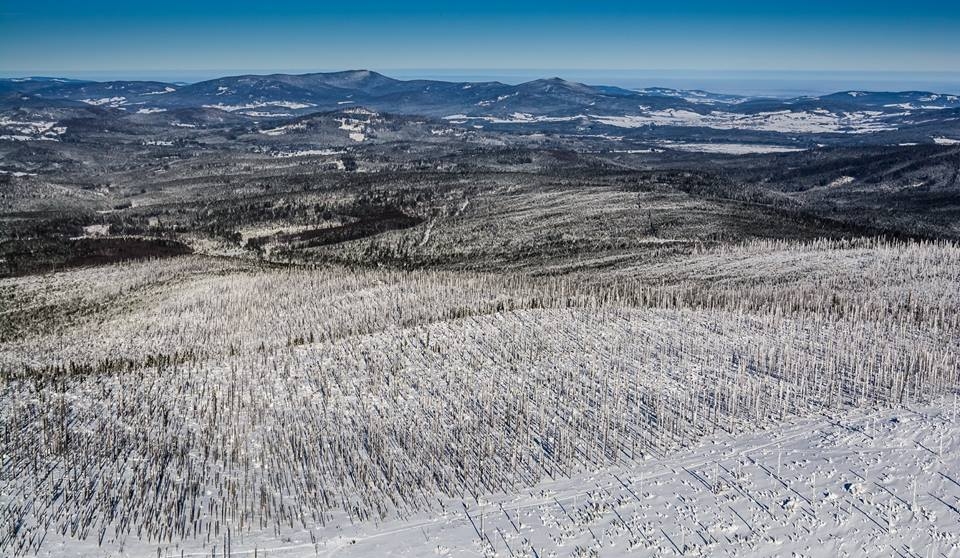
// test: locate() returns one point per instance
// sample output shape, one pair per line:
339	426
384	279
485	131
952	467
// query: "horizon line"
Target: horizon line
38	72
748	83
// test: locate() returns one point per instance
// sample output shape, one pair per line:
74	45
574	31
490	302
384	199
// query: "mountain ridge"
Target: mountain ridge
326	90
40	109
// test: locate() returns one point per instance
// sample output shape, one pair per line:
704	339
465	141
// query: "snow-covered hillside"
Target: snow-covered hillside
859	483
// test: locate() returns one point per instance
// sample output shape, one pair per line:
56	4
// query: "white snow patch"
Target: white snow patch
818	121
842	181
515	118
280	130
359	110
106	101
307	153
164	92
293	105
96	230
263	114
355	128
26	130
729	148
911	106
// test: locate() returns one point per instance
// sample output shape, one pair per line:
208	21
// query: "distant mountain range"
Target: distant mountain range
553	105
329	91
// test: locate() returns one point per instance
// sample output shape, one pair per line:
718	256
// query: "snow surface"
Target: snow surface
729	148
96	230
859	483
264	114
499	99
306	153
28	130
281	130
164	92
514	118
911	106
106	101
356	128
842	181
293	105
816	121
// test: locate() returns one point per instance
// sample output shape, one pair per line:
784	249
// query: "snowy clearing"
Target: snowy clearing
785	121
293	105
728	148
819	121
113	102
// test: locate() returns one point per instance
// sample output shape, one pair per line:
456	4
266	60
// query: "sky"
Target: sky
202	38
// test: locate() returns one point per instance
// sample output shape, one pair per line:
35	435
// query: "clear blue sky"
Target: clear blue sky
59	36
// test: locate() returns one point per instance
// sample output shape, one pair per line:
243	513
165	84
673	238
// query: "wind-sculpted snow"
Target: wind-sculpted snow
194	401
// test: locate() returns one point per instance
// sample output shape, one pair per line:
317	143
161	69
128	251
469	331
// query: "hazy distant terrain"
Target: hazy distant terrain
342	313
